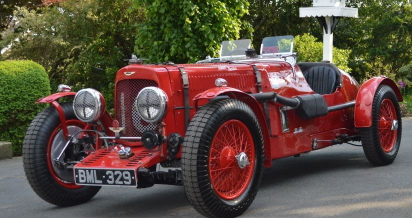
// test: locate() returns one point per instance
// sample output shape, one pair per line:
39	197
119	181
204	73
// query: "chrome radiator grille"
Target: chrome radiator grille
126	114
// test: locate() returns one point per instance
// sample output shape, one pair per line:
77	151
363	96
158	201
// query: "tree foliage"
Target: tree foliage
279	17
83	42
8	6
310	50
406	73
189	30
380	38
79	42
21	84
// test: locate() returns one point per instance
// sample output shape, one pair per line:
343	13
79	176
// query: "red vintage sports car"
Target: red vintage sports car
211	127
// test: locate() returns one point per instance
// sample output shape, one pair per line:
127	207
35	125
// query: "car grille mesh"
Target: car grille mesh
126	113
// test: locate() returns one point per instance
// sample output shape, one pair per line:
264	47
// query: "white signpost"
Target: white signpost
328	13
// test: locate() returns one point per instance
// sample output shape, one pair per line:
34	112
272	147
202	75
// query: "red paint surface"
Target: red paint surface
364	99
277	76
55	96
109	158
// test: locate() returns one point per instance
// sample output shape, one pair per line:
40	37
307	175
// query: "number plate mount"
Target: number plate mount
105	177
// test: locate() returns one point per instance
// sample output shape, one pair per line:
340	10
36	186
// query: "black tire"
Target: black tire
36	160
211	122
380	142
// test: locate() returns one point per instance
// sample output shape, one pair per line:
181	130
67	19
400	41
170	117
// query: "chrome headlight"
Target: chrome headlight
151	104
88	105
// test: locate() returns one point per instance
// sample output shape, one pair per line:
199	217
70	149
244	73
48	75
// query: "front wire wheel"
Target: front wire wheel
222	159
42	144
381	141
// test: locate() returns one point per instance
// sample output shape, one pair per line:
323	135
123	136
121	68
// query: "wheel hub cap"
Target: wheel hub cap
394	125
242	160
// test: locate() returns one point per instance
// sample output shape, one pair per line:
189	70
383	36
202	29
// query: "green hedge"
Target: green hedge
21	84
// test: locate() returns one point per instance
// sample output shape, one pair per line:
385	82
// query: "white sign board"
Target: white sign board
329	3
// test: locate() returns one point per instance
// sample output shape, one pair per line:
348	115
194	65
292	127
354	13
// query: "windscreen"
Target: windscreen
276	44
234	47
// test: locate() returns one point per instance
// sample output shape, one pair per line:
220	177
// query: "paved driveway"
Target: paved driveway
333	182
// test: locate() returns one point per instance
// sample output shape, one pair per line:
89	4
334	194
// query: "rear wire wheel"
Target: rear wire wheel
42	144
222	159
382	140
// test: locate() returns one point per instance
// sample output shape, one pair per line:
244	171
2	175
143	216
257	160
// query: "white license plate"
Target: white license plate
99	177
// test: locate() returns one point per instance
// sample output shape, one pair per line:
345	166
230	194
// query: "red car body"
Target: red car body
264	85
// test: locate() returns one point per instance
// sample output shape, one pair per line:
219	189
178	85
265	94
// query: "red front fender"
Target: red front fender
106	119
364	99
249	100
55	96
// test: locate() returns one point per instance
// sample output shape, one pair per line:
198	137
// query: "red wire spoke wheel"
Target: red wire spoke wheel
222	158
228	177
382	140
42	144
387	116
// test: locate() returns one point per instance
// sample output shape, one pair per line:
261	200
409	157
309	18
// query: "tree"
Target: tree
189	30
311	50
279	17
79	42
380	38
8	6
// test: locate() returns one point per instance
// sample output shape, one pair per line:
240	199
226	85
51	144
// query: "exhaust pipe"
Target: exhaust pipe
290	102
308	106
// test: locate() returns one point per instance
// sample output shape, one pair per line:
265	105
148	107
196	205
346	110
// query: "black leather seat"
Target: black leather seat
323	78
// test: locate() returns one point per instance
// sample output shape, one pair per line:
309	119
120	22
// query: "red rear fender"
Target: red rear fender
249	100
364	99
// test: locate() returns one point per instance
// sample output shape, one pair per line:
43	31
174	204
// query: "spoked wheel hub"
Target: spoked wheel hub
232	160
227	157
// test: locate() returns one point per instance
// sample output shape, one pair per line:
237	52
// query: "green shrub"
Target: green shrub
406	105
309	50
404	109
405	73
21	84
